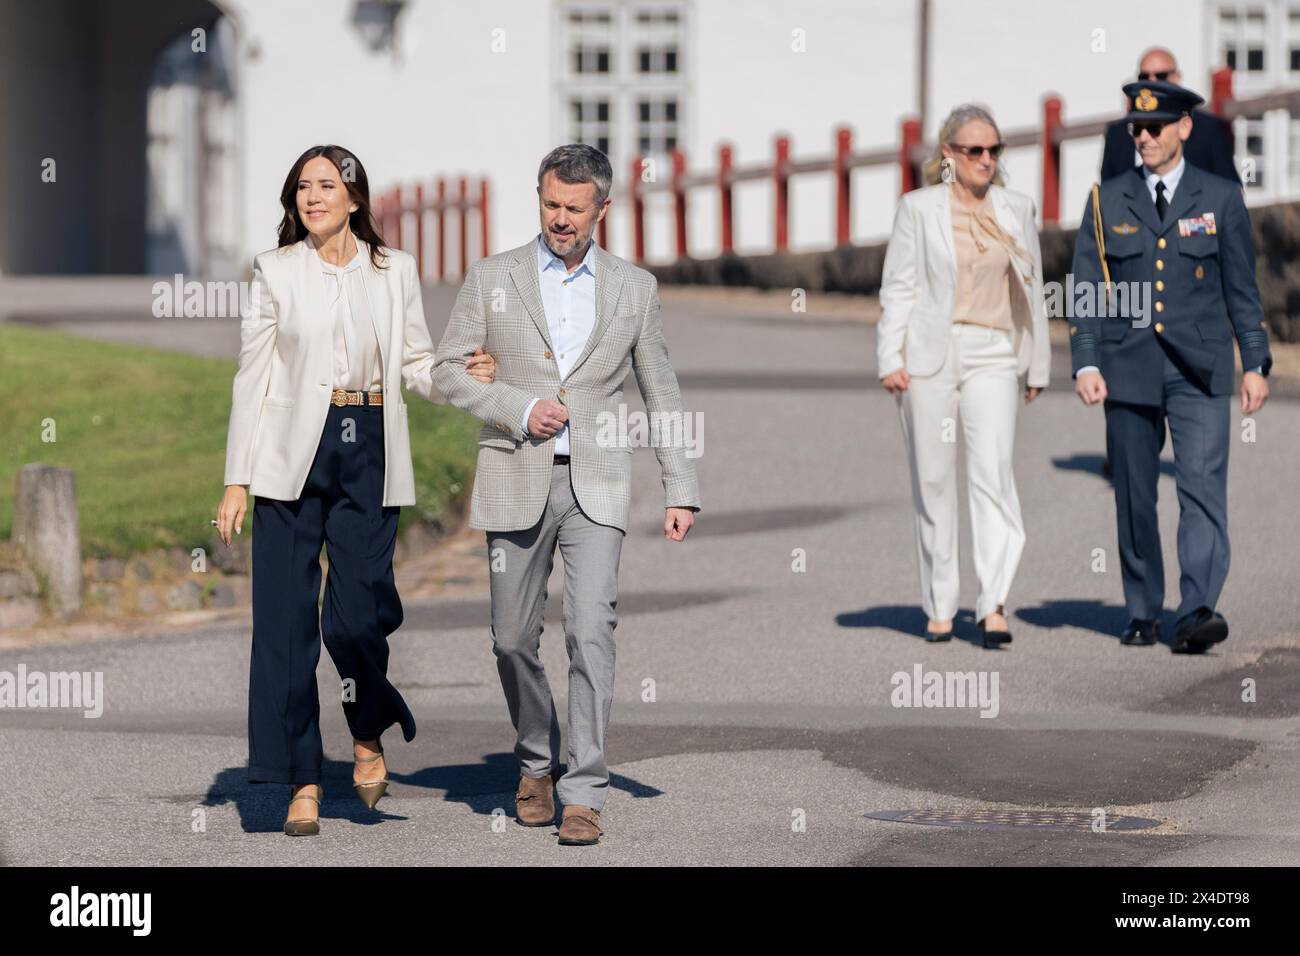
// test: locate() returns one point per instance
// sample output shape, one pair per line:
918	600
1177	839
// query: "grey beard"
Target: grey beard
546	238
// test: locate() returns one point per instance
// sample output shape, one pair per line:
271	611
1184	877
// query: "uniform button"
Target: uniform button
1160	327
563	392
1160	263
1160	285
546	354
1161	242
1160	306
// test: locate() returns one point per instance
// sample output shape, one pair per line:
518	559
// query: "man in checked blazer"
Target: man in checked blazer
566	321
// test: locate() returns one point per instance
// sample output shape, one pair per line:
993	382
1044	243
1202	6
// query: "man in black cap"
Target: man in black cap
1185	235
1209	146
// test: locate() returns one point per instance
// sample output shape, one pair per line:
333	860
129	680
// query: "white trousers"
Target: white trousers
977	385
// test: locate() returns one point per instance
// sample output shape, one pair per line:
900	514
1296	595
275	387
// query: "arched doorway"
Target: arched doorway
75	172
192	210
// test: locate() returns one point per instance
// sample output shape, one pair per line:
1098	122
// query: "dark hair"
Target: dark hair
579	163
361	222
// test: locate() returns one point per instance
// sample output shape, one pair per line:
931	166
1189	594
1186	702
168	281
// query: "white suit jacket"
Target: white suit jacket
282	390
918	286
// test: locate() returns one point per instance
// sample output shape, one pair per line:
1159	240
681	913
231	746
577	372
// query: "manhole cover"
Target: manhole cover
1005	819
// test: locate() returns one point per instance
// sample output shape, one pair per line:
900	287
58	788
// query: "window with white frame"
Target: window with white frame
1250	134
589	121
589	36
658	41
1260	41
1243	37
622	80
1292	50
656	126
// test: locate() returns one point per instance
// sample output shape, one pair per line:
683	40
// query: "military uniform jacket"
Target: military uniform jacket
1200	266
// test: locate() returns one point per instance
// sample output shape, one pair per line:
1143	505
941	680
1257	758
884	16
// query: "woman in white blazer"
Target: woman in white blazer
318	433
962	318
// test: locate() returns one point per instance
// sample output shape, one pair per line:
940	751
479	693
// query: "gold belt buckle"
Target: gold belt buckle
340	397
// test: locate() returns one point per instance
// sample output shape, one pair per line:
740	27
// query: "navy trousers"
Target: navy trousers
340	507
1200	425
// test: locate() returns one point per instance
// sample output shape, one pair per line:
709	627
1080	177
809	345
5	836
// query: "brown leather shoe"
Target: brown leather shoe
580	826
535	800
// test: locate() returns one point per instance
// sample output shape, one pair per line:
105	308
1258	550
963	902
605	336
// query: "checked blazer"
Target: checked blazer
500	308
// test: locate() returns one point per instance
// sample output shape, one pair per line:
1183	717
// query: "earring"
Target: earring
945	170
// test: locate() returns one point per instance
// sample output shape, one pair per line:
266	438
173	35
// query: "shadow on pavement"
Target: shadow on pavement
484	787
909	619
1107	619
1096	465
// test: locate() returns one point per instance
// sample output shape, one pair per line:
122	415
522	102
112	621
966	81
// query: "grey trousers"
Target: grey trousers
1201	428
521	563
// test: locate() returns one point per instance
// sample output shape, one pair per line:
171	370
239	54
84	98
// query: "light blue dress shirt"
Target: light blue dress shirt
569	300
1171	180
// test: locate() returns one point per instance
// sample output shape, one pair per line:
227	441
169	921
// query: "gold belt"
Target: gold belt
342	396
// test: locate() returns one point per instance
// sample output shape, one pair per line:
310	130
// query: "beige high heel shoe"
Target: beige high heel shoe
304	826
371	791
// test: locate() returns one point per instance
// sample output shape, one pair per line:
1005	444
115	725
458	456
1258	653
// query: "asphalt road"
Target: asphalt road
753	721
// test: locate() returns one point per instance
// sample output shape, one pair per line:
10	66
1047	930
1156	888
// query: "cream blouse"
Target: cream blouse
356	349
984	268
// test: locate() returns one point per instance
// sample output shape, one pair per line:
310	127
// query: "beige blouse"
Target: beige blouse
356	348
984	268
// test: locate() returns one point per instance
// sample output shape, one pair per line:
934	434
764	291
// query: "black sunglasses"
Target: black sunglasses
1154	127
1162	75
975	152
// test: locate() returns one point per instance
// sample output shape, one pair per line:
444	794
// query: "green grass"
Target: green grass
145	432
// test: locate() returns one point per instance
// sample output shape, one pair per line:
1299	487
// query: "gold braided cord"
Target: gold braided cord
1100	234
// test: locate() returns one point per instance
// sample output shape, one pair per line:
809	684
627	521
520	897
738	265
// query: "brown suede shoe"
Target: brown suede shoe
535	800
580	826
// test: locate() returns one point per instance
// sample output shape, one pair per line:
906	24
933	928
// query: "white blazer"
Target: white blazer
918	285
282	390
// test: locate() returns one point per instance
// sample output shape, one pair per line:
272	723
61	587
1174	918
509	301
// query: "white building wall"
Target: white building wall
856	68
448	104
1009	54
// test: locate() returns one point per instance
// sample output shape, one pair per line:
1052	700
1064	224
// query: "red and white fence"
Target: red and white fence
404	213
909	156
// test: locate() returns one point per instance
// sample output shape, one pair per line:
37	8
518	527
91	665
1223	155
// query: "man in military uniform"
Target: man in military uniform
1186	235
1209	146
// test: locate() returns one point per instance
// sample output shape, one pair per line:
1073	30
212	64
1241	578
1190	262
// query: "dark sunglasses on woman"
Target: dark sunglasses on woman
975	152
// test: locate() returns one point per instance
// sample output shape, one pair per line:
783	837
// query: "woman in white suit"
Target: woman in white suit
962	318
318	433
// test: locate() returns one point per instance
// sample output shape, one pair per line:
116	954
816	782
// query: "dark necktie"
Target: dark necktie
1162	204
